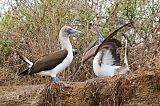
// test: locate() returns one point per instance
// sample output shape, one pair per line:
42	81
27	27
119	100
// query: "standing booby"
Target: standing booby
52	64
106	58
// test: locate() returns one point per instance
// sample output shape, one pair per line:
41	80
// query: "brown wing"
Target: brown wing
92	51
113	44
89	53
22	57
109	54
92	44
109	37
48	62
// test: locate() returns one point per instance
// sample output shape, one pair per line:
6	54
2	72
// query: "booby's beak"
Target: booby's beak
100	37
73	31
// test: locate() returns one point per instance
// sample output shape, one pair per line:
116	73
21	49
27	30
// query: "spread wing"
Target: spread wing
92	47
92	44
112	45
108	54
93	50
48	62
89	53
111	48
109	37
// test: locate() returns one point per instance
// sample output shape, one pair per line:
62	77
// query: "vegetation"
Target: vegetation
32	26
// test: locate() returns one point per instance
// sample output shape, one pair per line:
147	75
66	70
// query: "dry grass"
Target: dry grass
33	30
37	35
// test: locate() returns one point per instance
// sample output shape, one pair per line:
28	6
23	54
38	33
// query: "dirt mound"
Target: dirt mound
9	78
136	89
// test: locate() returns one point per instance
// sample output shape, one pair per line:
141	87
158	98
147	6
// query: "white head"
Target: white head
64	34
66	31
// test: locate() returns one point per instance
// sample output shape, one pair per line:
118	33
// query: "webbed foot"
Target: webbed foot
55	79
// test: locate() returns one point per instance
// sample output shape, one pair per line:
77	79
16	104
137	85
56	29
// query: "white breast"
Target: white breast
106	68
66	62
107	57
60	67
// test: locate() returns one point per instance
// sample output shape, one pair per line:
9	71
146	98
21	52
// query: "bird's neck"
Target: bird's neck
65	43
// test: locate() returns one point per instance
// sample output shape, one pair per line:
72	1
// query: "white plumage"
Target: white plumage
65	44
52	64
107	67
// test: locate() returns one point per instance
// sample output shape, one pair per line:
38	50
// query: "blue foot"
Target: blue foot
55	78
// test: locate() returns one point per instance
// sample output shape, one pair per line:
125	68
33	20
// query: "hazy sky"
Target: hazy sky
4	5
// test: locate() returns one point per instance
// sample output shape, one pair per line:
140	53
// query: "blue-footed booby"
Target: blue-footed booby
106	61
52	64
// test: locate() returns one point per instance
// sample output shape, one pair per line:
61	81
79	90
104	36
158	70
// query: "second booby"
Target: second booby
106	60
52	64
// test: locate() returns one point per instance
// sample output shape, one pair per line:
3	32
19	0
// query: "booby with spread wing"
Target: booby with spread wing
106	60
52	64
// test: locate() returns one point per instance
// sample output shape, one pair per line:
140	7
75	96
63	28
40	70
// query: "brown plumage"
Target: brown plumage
102	45
93	43
113	44
52	64
89	53
46	62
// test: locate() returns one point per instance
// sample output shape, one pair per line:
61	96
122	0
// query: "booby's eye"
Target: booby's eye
69	31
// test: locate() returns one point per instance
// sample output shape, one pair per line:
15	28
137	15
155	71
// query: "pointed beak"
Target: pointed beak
100	37
73	31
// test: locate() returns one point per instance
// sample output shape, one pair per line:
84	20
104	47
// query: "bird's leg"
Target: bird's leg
58	82
55	79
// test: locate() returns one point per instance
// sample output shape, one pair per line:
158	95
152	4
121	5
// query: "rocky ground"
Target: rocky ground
140	88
